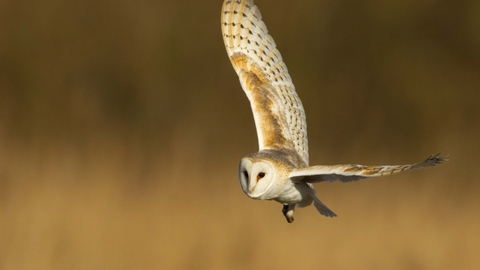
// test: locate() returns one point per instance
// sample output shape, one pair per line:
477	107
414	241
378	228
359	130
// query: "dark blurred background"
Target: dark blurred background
122	124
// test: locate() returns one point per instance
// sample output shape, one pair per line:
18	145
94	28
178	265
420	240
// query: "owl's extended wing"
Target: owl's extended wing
351	172
277	110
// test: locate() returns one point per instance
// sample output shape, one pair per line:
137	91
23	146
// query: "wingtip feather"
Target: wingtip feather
433	161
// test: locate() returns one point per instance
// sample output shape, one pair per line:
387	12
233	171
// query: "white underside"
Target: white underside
299	194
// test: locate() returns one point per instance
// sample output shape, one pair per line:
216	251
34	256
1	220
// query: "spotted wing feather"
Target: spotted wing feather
350	172
278	112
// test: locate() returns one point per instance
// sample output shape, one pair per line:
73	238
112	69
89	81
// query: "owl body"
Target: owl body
280	170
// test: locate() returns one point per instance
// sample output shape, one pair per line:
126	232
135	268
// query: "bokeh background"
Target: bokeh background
122	124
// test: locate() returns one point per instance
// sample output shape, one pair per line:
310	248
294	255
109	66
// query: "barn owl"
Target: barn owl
280	170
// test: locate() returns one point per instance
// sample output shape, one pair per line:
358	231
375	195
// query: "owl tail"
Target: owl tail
321	208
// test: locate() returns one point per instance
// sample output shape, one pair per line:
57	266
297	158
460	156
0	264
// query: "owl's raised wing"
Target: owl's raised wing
277	110
351	172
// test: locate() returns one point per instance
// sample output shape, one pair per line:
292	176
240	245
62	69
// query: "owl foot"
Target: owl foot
288	211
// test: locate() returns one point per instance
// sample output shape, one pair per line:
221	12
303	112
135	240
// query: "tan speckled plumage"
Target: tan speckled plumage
279	115
280	170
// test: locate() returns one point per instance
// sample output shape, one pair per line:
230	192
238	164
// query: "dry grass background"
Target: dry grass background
122	124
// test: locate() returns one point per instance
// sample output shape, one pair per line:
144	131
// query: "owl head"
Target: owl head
256	177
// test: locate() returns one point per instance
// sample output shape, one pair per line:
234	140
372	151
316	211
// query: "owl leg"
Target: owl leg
288	210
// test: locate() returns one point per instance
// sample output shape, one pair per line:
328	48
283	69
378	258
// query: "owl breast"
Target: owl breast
295	193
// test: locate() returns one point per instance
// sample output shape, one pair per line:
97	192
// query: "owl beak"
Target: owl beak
250	192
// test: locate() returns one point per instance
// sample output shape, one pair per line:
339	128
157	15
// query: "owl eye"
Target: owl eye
245	173
260	175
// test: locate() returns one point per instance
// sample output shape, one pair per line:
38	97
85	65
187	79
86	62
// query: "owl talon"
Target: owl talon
288	211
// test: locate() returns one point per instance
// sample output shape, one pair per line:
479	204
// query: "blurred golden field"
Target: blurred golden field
122	124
